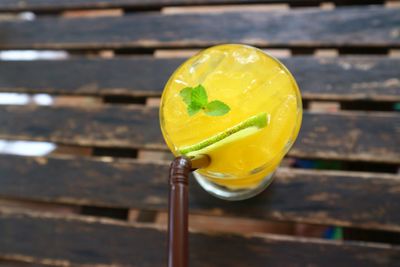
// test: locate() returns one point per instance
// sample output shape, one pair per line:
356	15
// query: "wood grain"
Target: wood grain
365	136
19	262
81	241
50	5
366	200
345	136
124	126
369	26
343	78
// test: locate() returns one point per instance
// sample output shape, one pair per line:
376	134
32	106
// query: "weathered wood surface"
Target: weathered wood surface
365	136
368	200
120	126
51	5
21	262
343	78
356	26
81	241
344	135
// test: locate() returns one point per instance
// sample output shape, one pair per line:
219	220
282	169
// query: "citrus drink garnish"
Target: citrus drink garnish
236	104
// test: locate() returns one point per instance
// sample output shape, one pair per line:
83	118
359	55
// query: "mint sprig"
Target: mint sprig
196	99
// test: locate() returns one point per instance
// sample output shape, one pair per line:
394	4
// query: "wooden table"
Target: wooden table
100	198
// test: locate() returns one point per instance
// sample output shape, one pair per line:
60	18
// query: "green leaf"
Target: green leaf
196	99
216	108
185	93
199	96
193	108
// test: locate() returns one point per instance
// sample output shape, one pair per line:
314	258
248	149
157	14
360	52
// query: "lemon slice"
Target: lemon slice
245	128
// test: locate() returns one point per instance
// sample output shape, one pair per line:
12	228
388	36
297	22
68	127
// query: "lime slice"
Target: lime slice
248	127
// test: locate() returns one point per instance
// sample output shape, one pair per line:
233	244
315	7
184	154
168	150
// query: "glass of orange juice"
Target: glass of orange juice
239	106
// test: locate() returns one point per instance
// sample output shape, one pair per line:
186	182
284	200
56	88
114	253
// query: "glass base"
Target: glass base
225	193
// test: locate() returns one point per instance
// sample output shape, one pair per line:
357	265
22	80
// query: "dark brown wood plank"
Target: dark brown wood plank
343	78
19	262
134	76
354	136
125	126
347	78
51	5
367	200
356	26
345	135
16	263
79	241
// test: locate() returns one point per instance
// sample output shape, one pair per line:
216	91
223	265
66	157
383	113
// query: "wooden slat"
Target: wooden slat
80	241
103	126
347	78
51	5
19	263
356	26
23	206
136	76
367	200
344	135
365	136
343	78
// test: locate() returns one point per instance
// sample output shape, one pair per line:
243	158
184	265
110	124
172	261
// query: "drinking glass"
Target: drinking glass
237	105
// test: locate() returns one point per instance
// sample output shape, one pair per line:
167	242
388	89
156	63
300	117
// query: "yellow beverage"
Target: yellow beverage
250	83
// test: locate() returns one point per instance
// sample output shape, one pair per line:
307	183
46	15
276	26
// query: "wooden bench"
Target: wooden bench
100	198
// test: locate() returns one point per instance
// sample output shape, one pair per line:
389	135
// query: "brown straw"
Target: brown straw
178	249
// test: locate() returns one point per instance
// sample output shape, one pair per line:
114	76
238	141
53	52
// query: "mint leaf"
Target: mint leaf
185	93
196	99
193	108
216	108
199	96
